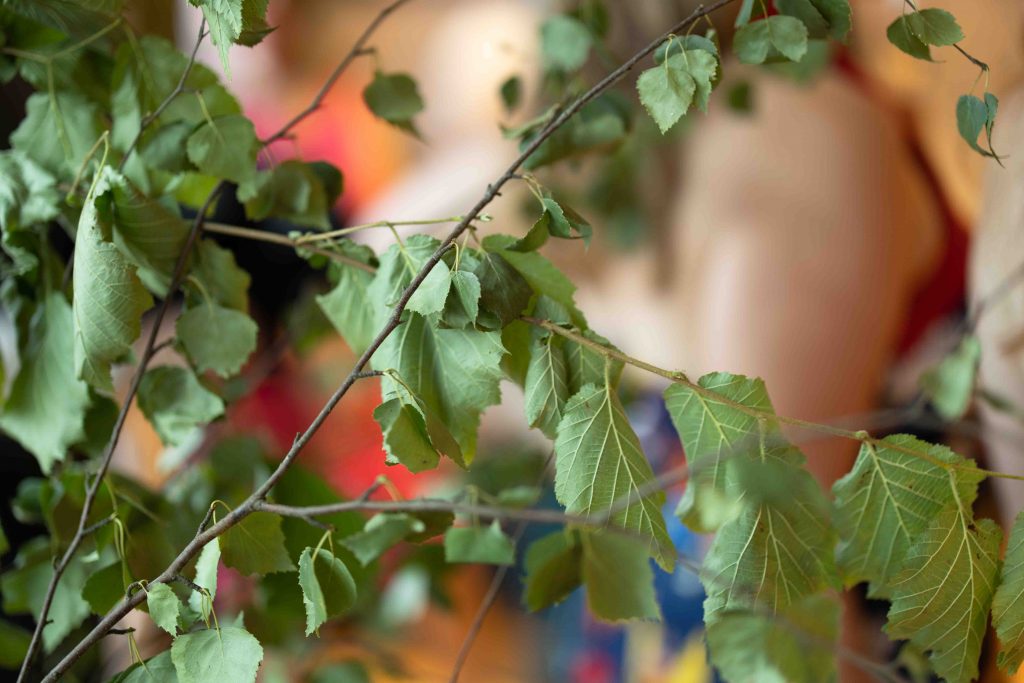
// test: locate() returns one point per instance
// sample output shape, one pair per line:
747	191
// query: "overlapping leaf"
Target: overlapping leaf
894	491
1008	603
599	463
941	599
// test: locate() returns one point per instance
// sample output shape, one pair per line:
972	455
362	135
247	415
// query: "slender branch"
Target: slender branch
250	504
482	610
358	50
679	378
108	454
540	516
284	240
325	236
178	89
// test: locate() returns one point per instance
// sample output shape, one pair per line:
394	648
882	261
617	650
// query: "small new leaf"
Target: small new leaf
666	91
206	577
553	569
174	401
565	43
328	589
478	544
950	385
164	607
225	147
216	338
787	35
974	115
256	545
394	98
935	27
379	534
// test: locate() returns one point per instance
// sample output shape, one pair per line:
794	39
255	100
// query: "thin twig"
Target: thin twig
284	240
258	496
94	486
861	435
178	89
358	50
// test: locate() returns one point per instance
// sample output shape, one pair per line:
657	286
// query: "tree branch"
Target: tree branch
285	240
258	496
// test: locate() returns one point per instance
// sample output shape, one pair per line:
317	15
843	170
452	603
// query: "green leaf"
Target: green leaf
46	407
222	279
151	234
292	191
5	545
935	27
838	15
24	586
599	463
599	126
463	304
328	589
455	373
405	435
950	385
217	338
348	304
974	115
504	292
713	430
174	401
562	221
618	577
940	601
28	192
431	295
565	43
224	18
254	23
394	98
1007	607
478	544
225	147
895	489
206	577
807	14
58	132
511	93
754	41
678	44
158	669
104	588
380	533
164	607
256	545
553	569
775	552
109	298
540	274
217	655
547	385
14	642
667	91
900	34
794	646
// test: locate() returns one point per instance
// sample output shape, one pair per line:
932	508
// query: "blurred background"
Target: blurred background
824	228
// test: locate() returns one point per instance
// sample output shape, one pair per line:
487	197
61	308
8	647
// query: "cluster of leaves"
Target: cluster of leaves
125	133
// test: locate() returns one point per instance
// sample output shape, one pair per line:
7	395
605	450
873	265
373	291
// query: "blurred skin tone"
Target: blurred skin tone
998	252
